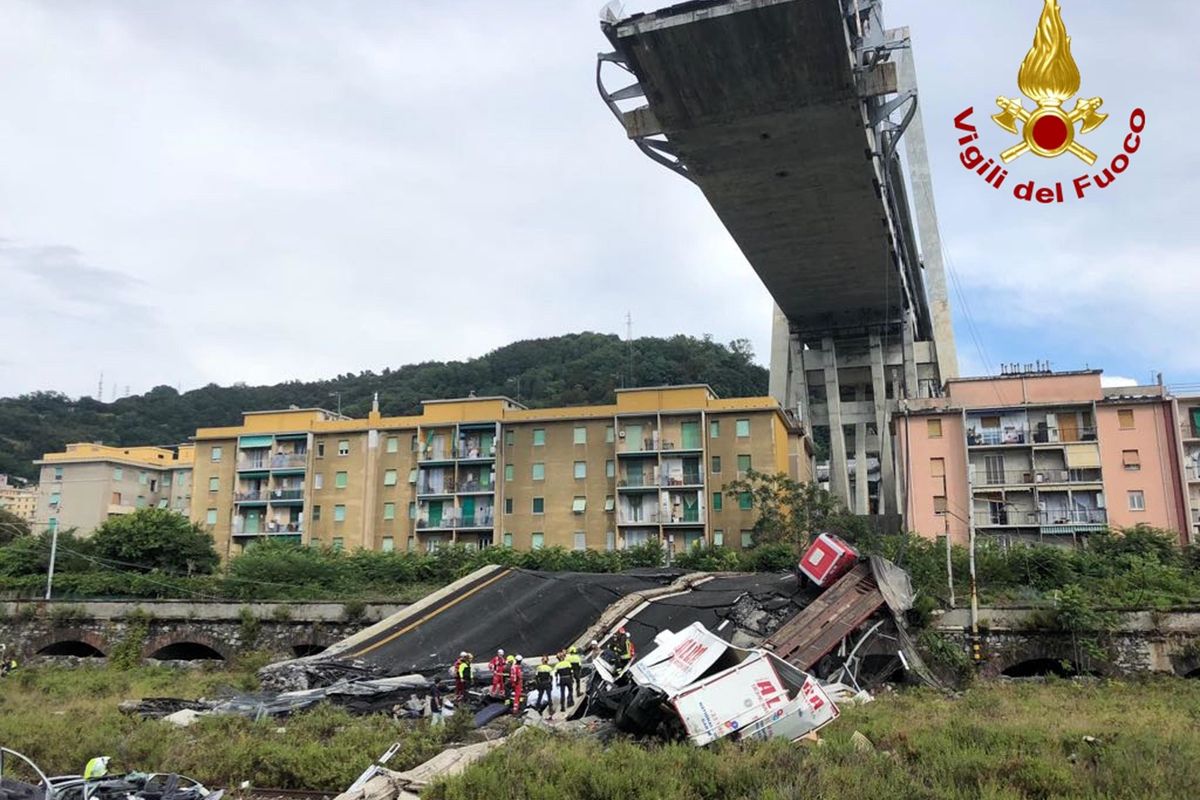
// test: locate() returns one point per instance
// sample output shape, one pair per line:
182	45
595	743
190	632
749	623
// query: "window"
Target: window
214	484
539	505
508	472
539	471
341	480
210	517
118	473
610	503
320	449
580	434
716	465
716	501
338	543
55	499
339	513
414	444
388	545
343	447
610	469
509	438
412	475
610	541
580	470
539	437
412	510
990	423
747	538
609	434
508	505
58	473
1125	419
116	498
143	478
389	477
714	429
537	540
744	463
745	501
579	505
393	446
508	540
939	504
1131	460
580	540
389	510
316	514
1137	500
319	480
742	428
934	428
937	467
718	538
215	454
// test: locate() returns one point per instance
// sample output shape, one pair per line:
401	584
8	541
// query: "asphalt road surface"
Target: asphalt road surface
532	613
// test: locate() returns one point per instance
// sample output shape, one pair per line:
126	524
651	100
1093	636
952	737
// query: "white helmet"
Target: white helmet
500	652
463	654
520	658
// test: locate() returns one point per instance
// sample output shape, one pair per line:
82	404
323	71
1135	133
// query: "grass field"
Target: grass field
993	741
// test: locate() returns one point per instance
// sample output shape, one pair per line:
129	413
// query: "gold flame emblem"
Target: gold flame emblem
1049	77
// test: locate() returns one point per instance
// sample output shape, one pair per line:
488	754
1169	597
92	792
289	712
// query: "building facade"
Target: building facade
1187	416
488	471
1041	457
87	483
18	498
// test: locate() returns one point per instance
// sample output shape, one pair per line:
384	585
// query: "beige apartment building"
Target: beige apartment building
488	471
1044	457
18	498
86	484
1187	415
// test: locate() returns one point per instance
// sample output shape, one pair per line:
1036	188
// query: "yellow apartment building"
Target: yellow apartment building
18	498
87	483
484	471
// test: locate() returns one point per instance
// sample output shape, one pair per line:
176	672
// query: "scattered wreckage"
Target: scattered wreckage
21	779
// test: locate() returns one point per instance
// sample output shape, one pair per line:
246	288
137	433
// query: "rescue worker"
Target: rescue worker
623	648
460	690
465	671
435	704
576	663
562	671
498	664
543	681
516	682
96	768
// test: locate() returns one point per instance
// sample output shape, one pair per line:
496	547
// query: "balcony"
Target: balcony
479	520
638	482
1192	472
628	517
1189	431
267	528
1021	518
253	463
287	496
985	477
1060	435
693	517
250	497
476	487
289	461
686	479
997	437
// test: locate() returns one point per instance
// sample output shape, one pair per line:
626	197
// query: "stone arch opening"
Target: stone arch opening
71	647
1042	668
303	650
186	651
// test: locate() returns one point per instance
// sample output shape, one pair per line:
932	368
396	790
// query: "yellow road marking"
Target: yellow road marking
433	614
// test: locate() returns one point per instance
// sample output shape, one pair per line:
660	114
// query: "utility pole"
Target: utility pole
629	346
975	651
53	555
949	560
338	395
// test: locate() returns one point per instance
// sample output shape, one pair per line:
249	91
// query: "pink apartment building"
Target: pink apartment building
1043	457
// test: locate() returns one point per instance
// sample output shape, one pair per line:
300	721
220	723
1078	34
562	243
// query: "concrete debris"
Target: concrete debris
861	743
130	786
183	718
384	784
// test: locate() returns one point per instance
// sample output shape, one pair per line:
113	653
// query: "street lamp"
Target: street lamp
517	381
338	395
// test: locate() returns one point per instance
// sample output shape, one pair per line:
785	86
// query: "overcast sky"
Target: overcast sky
258	191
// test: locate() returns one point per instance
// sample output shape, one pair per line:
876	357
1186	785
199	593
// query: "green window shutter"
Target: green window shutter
745	501
742	428
341	480
716	501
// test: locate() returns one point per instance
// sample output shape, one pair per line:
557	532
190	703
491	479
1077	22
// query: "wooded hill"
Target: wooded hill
575	369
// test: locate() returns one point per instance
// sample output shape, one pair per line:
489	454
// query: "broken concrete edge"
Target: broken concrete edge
622	610
413	610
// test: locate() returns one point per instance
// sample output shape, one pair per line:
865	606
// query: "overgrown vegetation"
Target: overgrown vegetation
992	741
574	369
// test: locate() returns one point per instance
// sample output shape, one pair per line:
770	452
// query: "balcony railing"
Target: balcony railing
686	518
286	494
1056	435
626	517
1019	434
686	479
986	477
239	528
478	520
636	482
1020	518
250	497
456	454
288	460
469	487
1188	431
254	463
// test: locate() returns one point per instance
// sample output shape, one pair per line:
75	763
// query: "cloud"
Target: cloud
1116	381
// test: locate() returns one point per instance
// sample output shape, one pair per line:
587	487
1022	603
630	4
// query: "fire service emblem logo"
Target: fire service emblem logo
1050	77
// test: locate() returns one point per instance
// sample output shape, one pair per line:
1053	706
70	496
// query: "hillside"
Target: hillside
574	369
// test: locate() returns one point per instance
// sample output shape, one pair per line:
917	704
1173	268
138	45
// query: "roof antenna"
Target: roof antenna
629	346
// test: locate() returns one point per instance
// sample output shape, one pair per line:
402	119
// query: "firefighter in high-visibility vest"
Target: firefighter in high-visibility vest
460	690
576	663
544	682
622	647
498	665
562	672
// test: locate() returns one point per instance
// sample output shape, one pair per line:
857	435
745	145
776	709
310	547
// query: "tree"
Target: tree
157	538
793	513
12	526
